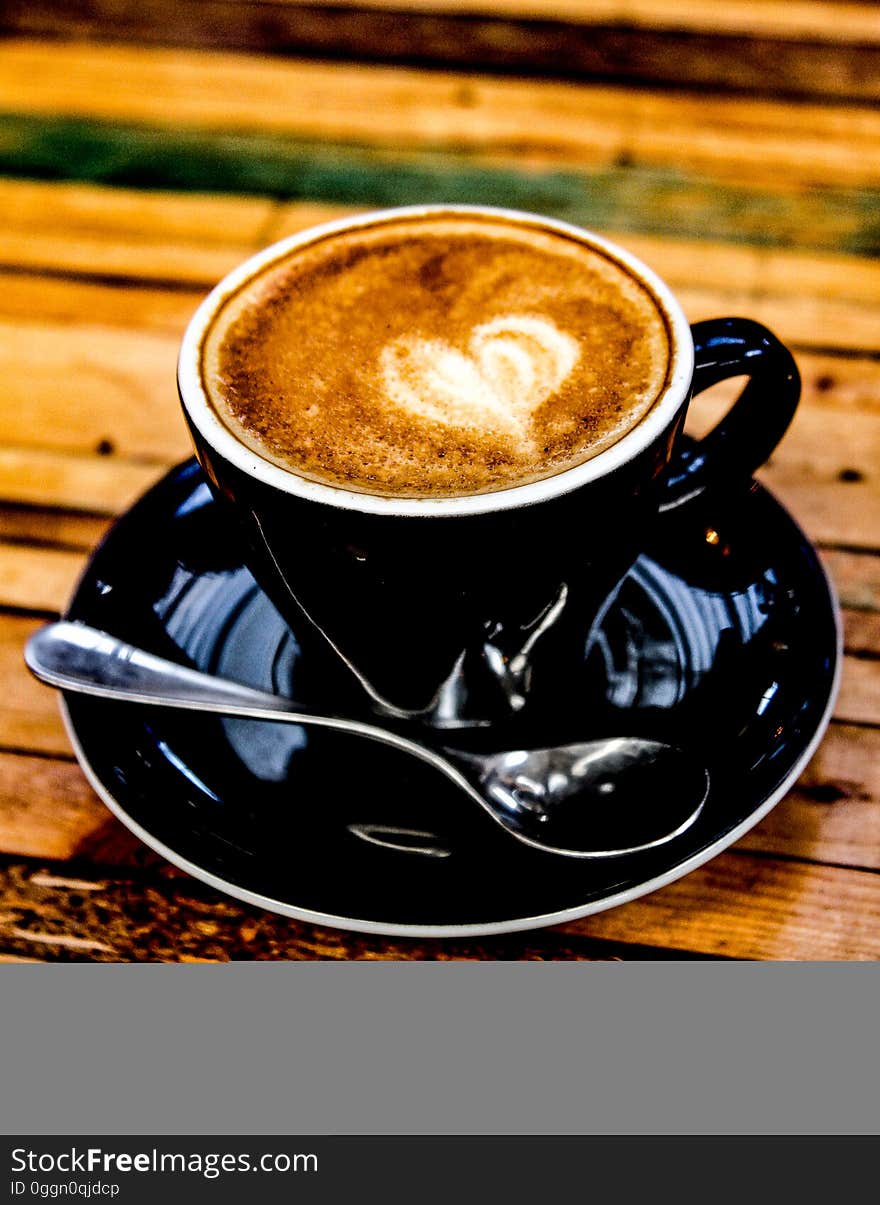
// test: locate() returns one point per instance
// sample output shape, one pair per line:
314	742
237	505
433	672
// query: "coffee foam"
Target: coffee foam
436	356
512	364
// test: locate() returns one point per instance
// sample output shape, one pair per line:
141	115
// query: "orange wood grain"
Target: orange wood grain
541	122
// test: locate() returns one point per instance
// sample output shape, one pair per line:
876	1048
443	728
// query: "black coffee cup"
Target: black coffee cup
474	612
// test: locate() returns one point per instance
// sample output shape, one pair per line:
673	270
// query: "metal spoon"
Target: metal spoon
556	800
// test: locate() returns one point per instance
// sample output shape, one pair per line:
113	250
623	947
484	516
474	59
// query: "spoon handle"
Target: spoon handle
79	658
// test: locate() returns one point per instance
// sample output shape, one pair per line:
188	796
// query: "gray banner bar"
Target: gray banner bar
441	1048
345	1169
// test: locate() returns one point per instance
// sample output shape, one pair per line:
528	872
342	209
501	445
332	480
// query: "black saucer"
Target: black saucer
724	635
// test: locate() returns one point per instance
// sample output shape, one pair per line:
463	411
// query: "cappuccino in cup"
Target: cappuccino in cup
436	355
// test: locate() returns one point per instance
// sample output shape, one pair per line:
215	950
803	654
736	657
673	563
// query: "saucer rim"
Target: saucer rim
492	928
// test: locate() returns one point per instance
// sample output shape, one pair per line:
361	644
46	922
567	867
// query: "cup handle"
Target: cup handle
755	423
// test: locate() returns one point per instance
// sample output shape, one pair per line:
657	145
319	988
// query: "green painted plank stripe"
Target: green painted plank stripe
627	197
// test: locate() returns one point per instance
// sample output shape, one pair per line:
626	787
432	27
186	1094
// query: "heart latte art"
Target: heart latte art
512	365
435	355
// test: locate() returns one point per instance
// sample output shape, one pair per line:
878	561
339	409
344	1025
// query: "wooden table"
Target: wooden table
146	149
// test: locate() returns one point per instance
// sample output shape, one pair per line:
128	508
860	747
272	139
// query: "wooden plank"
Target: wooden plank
88	388
37	579
136	215
824	468
738	906
183	239
833	814
859	699
47	809
29	715
65	301
840	384
104	232
837	21
619	194
127	232
64	249
392	106
743	906
857	578
829	484
798	320
862	633
84	913
834	389
798	52
797	18
52	528
754	270
830	507
100	484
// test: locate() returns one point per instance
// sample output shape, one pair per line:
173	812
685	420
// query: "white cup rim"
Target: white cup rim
218	436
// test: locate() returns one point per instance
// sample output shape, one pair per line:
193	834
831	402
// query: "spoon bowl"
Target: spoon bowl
572	797
576	800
